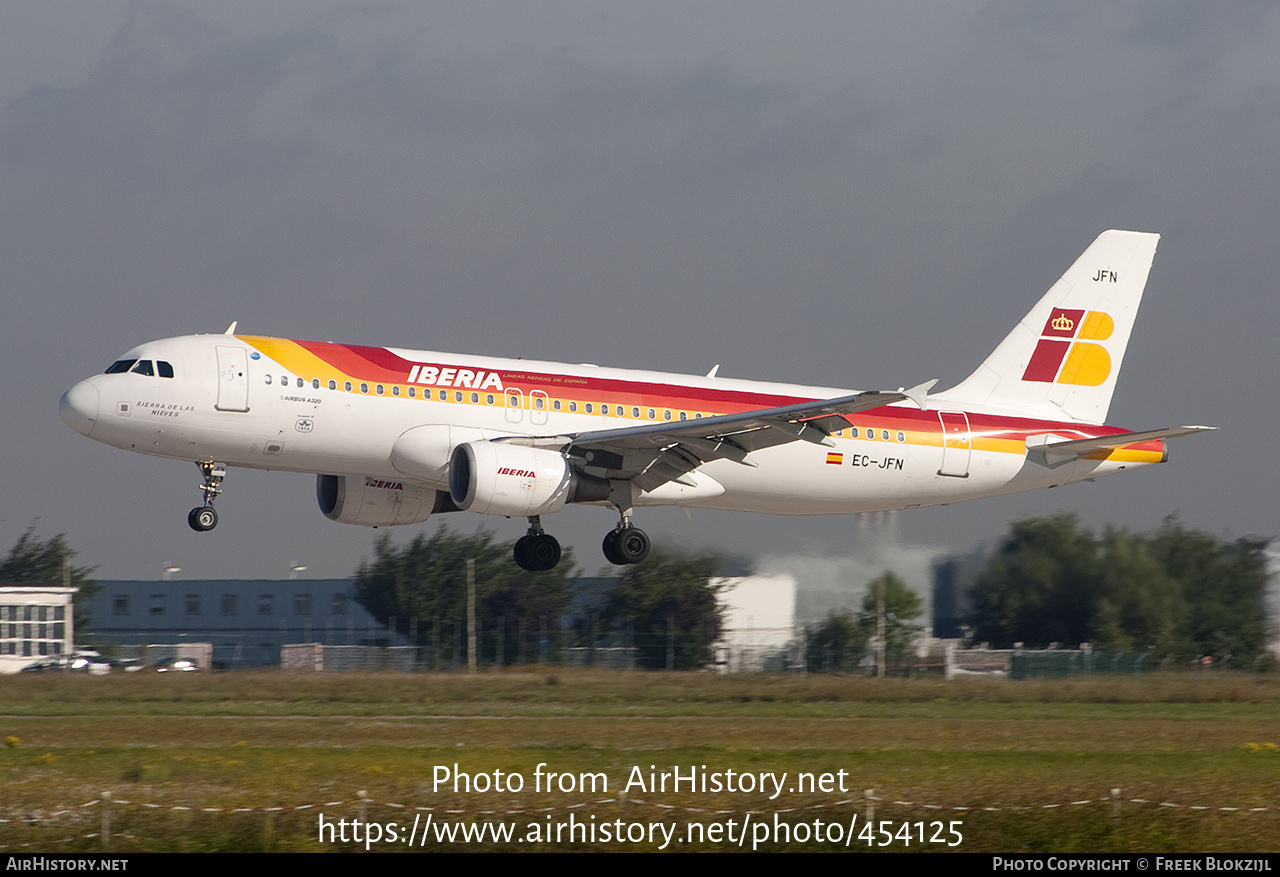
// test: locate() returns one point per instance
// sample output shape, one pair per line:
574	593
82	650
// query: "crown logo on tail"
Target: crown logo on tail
1063	322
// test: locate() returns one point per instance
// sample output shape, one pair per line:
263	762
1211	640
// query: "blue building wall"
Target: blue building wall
246	620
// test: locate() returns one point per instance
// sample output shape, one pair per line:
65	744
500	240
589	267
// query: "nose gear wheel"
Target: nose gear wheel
204	518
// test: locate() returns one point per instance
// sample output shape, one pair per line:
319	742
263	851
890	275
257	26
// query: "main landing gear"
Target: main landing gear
537	551
203	517
625	544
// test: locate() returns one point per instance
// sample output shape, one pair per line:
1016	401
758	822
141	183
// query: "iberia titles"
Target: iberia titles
441	376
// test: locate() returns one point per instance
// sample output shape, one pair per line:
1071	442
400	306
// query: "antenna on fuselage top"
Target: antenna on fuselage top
231	330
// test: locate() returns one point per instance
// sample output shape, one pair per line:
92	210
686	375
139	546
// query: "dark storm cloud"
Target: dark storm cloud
830	196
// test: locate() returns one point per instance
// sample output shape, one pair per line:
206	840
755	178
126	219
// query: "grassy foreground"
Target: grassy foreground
1005	761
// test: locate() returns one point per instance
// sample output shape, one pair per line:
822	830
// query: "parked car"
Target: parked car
177	665
80	662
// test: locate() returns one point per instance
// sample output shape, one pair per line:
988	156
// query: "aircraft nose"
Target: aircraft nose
78	407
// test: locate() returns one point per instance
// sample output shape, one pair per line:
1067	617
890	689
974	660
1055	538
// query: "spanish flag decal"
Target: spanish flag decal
835	459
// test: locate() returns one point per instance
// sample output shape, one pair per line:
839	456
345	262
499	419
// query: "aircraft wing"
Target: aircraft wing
1055	452
652	454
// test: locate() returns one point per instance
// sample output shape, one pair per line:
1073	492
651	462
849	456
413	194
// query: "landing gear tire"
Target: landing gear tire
537	553
625	546
542	552
633	544
610	547
521	557
202	519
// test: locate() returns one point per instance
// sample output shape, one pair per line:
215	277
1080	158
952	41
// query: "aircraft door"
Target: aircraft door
515	405
233	379
538	406
956	444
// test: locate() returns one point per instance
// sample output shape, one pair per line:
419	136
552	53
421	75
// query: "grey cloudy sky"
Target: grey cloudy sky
857	195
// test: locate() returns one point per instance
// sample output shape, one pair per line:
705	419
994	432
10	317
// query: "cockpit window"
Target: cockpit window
164	369
120	366
143	368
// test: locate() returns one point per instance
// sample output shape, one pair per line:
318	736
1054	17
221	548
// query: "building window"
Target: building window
230	605
339	604
266	604
301	604
155	604
192	604
120	605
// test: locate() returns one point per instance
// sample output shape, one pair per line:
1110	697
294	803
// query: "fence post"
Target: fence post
471	615
106	820
671	642
870	817
1115	803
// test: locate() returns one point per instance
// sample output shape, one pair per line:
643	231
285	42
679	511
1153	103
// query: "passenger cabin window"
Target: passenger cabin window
143	368
120	366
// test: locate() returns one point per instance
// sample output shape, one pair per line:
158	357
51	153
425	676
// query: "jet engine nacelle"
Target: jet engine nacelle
495	478
375	502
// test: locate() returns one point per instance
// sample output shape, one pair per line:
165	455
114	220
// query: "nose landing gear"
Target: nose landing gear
204	517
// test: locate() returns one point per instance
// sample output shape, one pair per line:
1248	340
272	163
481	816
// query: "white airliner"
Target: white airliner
396	435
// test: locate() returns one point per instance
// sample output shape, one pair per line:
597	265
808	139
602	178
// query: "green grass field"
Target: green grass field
1005	760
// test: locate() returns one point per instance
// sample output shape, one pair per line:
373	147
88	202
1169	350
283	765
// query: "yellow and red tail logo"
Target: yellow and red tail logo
1062	356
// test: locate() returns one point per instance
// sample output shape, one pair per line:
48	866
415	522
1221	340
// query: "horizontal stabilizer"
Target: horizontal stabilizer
1054	452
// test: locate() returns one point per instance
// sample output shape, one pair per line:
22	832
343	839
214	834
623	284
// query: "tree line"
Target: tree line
1176	593
665	608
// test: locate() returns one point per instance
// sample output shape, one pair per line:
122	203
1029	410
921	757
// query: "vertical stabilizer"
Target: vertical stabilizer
1062	360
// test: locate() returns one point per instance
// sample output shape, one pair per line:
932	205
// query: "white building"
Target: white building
36	621
759	621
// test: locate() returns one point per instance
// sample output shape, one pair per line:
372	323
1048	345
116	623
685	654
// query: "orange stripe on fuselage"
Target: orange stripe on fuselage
989	433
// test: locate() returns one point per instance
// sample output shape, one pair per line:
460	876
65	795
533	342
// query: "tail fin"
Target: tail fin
1065	355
